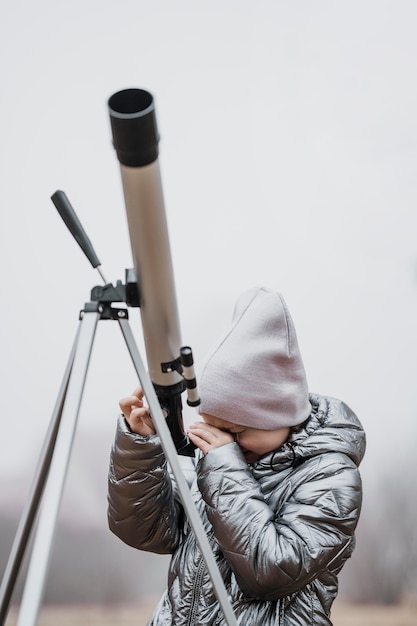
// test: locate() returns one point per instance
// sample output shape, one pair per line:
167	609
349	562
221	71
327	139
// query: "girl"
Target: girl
275	481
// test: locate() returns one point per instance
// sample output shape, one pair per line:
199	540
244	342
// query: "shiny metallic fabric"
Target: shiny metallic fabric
281	529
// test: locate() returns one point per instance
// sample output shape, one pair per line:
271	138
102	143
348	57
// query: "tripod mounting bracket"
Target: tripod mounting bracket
171	366
127	292
106	311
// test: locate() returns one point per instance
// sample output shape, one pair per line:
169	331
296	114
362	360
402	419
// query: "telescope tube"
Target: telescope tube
135	139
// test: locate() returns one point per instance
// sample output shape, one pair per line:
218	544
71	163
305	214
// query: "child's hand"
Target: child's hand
208	437
137	413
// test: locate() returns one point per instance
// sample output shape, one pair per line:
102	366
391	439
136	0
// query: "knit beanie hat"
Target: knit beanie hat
255	377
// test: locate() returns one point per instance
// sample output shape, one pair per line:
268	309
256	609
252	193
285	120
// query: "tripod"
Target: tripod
55	456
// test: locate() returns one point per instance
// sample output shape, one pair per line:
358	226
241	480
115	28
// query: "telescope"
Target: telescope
136	139
149	286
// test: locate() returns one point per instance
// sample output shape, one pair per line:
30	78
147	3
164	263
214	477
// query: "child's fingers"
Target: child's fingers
139	413
127	404
207	437
199	442
134	400
138	392
141	422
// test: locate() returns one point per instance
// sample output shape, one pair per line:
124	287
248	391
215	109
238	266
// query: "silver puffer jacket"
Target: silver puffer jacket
281	529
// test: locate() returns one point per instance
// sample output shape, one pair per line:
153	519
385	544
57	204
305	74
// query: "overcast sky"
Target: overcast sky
288	158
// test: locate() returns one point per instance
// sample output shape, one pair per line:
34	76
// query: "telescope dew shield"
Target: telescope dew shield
134	128
135	139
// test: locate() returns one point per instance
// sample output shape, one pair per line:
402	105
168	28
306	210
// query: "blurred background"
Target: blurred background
288	158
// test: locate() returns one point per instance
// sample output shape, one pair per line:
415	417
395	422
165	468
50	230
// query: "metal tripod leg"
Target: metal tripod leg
32	505
36	577
55	459
172	458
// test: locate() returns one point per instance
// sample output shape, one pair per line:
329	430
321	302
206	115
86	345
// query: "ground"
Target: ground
343	615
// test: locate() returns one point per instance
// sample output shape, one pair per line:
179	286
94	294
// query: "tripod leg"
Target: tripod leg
40	557
31	508
172	458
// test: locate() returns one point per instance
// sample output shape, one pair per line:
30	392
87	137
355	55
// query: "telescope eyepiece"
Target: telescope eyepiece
134	127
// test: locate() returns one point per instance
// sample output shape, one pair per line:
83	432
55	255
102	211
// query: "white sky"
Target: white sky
288	156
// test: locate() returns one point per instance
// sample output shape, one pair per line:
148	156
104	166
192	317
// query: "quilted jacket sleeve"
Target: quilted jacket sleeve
143	510
274	553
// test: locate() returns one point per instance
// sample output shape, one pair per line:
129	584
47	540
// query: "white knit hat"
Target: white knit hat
255	375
